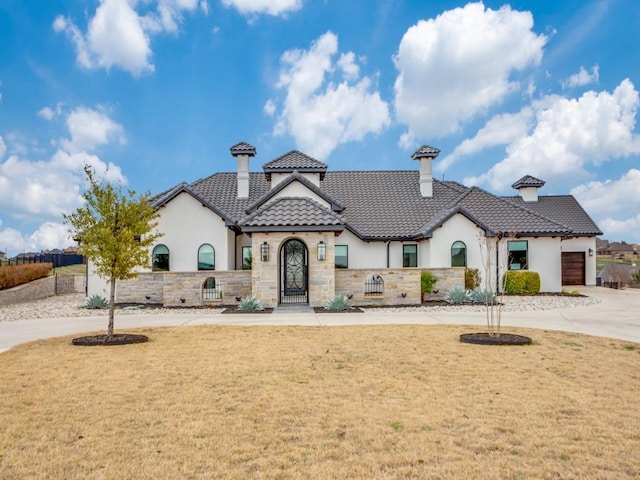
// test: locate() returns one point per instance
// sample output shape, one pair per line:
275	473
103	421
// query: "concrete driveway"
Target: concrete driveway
616	316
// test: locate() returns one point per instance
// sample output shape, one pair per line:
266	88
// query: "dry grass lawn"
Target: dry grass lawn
384	402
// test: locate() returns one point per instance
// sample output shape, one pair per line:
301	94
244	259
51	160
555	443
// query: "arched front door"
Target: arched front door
294	282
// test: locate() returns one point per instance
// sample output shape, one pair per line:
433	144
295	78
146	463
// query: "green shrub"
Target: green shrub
250	304
472	278
339	303
427	282
521	282
458	296
96	302
636	275
14	275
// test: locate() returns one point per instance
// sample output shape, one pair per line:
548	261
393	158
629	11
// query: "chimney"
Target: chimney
243	152
528	187
426	155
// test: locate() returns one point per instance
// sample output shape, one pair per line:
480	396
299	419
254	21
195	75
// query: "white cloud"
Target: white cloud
3	148
119	36
500	130
628	229
568	135
269	7
583	77
89	129
204	6
611	197
49	113
270	108
319	112
42	190
459	64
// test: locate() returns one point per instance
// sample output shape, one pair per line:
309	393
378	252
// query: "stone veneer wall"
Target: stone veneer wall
71	284
41	288
265	275
168	288
401	285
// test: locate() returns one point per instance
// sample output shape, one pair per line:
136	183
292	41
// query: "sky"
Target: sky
151	93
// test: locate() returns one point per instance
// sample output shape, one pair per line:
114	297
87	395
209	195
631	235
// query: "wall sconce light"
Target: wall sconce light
591	252
264	252
322	251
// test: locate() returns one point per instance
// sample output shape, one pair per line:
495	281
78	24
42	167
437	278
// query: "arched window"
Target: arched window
458	254
206	257
160	259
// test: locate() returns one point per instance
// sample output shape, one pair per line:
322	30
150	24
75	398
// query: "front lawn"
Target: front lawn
375	402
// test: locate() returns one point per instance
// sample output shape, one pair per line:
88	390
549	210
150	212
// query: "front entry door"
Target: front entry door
293	272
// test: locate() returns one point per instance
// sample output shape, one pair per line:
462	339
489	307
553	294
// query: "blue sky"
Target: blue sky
154	92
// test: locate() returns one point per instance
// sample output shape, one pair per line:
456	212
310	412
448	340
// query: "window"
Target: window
410	255
518	255
247	258
206	257
160	259
458	254
342	256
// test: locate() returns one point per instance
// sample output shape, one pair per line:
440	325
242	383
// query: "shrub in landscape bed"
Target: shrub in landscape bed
14	275
472	278
250	304
427	282
458	296
483	297
521	282
339	303
96	302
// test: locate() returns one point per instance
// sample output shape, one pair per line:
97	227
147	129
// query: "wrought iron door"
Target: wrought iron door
293	272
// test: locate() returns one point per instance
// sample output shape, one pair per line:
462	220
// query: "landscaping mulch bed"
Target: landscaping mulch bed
503	339
233	310
106	340
350	310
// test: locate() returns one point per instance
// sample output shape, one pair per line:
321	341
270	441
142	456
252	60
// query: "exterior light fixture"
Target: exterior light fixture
322	251
264	252
591	252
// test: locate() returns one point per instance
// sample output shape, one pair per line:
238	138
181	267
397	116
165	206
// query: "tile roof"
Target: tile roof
243	148
294	160
300	213
564	209
383	205
528	181
425	151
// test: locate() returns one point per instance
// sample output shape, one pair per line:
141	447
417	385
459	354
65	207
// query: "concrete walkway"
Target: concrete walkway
616	316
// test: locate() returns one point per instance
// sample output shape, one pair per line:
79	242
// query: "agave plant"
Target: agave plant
96	302
250	304
339	303
483	296
458	296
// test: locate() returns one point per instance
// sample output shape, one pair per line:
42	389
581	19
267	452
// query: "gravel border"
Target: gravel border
64	306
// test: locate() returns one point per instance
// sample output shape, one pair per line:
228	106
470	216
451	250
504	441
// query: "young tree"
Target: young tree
115	230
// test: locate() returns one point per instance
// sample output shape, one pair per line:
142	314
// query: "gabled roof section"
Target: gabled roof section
564	209
243	148
528	181
287	213
164	198
295	177
294	160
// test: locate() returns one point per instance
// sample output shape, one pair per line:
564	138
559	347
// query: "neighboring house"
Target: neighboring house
296	232
617	249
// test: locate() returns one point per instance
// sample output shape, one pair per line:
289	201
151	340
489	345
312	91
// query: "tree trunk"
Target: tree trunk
112	304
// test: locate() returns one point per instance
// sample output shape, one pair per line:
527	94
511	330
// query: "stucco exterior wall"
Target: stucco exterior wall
187	225
296	189
584	244
545	258
276	178
457	228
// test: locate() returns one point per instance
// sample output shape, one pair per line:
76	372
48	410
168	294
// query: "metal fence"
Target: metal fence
374	286
211	289
57	259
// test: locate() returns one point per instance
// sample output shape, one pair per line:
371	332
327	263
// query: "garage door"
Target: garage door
573	268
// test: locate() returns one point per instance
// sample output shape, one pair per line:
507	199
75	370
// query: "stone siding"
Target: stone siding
71	284
401	285
41	288
170	288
